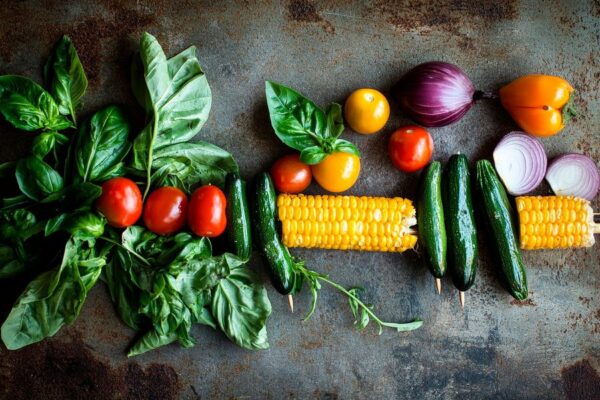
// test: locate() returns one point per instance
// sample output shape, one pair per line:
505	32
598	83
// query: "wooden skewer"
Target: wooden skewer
438	285
291	302
461	298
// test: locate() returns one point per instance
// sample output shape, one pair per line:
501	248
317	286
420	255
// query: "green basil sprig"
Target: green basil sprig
303	126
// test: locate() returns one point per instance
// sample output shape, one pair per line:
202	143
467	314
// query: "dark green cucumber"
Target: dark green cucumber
239	226
278	258
430	220
501	220
460	222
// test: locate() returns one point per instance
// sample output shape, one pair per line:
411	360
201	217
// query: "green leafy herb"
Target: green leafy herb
16	253
362	312
54	298
27	106
101	146
36	179
180	97
65	77
46	141
303	126
86	224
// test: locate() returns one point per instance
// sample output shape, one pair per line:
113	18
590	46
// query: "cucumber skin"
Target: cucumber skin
461	228
239	224
278	259
501	220
430	220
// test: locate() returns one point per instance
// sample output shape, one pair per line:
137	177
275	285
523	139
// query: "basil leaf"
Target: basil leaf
65	77
46	141
101	145
11	264
180	97
84	224
151	340
54	298
138	84
335	121
36	179
16	227
346	147
241	307
186	164
312	155
297	121
27	106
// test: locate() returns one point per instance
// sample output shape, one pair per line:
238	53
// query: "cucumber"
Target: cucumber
460	222
501	220
279	261
430	219
239	235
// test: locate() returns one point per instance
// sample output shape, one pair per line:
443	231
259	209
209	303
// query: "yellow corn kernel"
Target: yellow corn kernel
548	222
347	222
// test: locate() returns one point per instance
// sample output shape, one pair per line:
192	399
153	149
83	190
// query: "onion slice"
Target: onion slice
574	174
521	162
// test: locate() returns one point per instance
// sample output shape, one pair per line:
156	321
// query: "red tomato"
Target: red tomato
290	175
206	212
120	202
165	210
410	148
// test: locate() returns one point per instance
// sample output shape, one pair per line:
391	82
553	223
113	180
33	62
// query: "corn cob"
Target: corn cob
551	222
347	222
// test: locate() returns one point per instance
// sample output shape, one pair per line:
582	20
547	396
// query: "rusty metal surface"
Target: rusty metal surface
546	348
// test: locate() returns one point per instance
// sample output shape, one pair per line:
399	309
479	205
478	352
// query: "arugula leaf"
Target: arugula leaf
65	77
241	307
27	106
54	298
46	141
36	179
303	126
180	97
101	145
186	164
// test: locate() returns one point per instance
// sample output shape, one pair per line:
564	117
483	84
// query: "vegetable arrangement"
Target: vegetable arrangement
72	190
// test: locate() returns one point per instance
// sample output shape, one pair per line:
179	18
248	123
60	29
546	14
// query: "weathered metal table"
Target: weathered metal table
547	347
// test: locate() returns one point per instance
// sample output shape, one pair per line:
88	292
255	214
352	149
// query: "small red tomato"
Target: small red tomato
165	210
410	148
206	212
120	202
290	175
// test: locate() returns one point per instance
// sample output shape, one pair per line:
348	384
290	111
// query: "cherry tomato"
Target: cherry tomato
410	148
366	111
165	210
290	175
206	212
337	172
120	202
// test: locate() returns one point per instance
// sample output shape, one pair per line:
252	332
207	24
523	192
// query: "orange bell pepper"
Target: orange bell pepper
539	104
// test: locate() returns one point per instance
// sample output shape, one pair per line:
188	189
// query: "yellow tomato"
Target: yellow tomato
337	172
366	111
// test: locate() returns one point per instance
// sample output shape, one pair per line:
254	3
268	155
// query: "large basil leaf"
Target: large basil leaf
65	77
241	307
303	126
186	164
54	298
180	97
101	145
26	105
36	179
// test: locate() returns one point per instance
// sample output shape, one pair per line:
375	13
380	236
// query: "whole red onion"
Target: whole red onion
436	93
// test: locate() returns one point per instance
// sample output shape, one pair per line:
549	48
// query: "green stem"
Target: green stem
139	257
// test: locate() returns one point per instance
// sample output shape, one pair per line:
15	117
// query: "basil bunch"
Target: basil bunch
303	126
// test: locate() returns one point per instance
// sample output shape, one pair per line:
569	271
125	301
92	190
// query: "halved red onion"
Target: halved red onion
521	162
574	174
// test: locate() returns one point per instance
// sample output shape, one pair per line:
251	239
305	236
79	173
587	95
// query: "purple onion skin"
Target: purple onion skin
435	93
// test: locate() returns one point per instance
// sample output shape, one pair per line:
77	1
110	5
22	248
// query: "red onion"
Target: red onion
521	162
574	174
436	93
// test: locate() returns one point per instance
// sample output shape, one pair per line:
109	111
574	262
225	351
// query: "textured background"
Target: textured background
547	347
